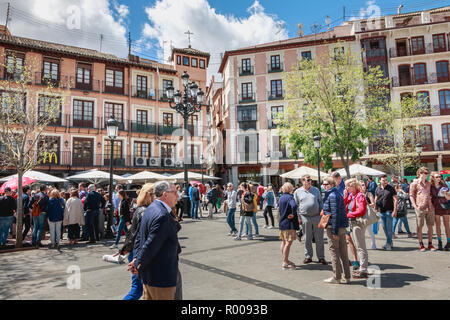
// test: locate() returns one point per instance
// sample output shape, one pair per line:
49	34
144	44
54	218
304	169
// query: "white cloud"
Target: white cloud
71	22
213	32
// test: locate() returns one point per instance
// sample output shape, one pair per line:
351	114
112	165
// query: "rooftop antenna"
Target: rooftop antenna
280	27
164	51
328	22
300	29
189	33
7	16
314	28
399	9
101	42
129	42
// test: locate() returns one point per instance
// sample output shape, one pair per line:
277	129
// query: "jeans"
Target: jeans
27	225
38	228
248	225
5	225
230	219
399	220
122	226
386	220
400	225
55	231
136	284
194	209
91	225
253	219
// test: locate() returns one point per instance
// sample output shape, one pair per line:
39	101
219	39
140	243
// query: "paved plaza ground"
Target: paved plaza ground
214	266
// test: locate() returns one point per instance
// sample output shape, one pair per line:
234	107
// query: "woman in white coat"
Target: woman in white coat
73	216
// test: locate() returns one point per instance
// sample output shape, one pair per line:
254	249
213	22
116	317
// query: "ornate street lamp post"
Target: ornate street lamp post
317	145
419	150
186	104
112	128
202	160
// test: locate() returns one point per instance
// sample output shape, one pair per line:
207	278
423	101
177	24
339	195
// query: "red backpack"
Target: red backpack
36	209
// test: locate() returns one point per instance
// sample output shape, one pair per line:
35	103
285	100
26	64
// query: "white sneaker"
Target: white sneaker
265	226
332	280
388	248
114	246
270	227
237	238
230	233
344	281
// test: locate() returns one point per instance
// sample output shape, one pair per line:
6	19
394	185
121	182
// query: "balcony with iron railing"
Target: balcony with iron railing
246	71
148	128
162	96
143	93
167	130
276	95
102	160
247	98
428	48
271	68
408	80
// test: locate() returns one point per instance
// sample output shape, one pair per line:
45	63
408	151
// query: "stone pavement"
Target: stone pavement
214	266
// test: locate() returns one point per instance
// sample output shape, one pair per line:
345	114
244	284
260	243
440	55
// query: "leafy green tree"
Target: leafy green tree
339	100
22	123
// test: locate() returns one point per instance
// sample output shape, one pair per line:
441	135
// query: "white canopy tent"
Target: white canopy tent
357	170
144	176
191	176
38	176
301	171
94	176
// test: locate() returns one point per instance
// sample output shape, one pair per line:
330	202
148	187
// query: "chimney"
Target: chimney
399	9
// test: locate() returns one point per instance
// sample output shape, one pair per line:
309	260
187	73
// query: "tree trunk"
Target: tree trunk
19	221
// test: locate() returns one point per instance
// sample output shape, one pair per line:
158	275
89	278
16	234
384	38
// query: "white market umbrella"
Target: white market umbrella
94	176
301	171
191	176
360	170
145	176
38	176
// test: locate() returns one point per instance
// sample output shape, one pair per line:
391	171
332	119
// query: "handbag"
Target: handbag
324	220
370	217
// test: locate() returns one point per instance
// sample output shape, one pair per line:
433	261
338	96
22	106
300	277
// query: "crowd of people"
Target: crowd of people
150	221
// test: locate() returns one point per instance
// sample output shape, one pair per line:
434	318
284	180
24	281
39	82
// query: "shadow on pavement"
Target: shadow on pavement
391	266
399	280
315	266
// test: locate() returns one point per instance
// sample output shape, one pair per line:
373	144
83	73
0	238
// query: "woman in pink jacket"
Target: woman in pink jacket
355	205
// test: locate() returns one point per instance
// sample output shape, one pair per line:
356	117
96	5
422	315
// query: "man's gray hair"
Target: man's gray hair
91	187
161	187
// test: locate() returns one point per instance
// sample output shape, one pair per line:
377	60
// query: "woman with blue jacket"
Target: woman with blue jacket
55	214
269	196
288	223
334	205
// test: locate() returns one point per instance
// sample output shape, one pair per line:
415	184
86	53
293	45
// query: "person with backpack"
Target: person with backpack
247	208
55	211
212	195
402	210
38	212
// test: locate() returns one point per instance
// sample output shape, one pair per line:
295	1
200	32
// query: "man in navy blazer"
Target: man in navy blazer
156	246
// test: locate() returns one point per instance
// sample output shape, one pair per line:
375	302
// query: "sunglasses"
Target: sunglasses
308	179
325	184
